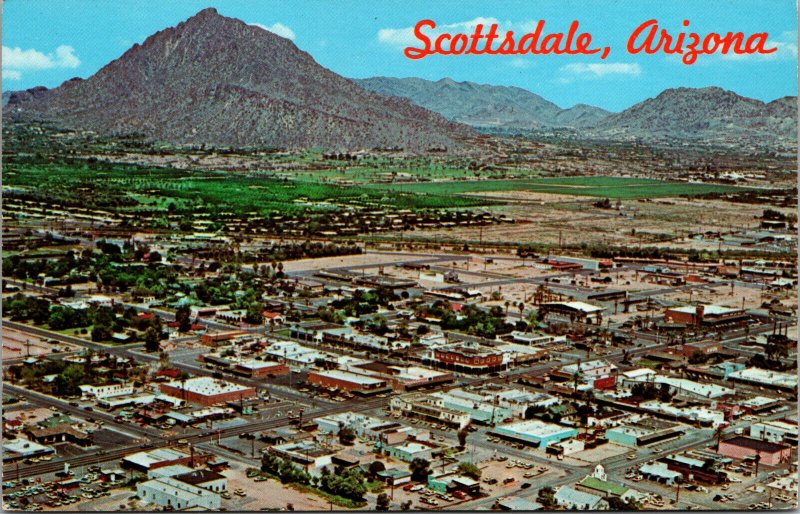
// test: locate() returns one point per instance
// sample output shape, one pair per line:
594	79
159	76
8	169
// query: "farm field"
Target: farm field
606	187
131	188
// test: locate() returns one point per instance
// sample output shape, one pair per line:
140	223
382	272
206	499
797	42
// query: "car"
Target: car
417	488
88	408
408	487
525	485
509	480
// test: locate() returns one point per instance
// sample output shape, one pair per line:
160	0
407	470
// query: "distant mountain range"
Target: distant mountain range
217	80
483	105
711	114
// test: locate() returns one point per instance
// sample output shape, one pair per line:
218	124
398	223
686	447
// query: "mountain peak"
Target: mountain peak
217	80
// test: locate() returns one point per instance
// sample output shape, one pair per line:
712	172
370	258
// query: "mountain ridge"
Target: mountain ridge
217	80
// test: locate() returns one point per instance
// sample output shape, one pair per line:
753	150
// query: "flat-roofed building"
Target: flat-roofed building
429	408
705	315
775	431
406	378
643	432
535	433
740	447
170	493
347	381
467	357
255	368
207	390
161	457
766	378
574	311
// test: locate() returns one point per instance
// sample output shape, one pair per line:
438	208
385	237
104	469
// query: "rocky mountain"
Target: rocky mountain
481	105
710	114
217	80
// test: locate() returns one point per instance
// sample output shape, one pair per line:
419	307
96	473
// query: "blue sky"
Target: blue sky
47	42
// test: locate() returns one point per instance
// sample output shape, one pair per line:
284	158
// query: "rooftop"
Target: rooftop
756	445
147	459
350	377
208	386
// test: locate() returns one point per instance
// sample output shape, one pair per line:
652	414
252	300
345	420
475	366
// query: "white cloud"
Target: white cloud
277	28
31	59
601	70
12	75
405	36
786	44
519	62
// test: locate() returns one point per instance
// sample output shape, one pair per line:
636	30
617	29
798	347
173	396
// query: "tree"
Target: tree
347	435
376	467
718	432
152	340
469	470
420	469
546	497
462	438
406	505
183	316
383	502
101	333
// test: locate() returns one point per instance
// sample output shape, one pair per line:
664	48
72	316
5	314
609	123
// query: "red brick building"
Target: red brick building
259	369
221	337
471	359
742	447
348	382
207	391
707	315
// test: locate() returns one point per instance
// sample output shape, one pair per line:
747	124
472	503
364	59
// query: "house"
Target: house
572	499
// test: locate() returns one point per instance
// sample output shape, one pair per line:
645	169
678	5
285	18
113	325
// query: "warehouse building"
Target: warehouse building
706	315
254	368
581	312
775	432
535	433
644	432
173	494
741	447
207	390
349	382
766	378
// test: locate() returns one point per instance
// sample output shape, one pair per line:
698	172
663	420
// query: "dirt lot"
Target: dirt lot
596	455
268	494
17	345
344	261
636	223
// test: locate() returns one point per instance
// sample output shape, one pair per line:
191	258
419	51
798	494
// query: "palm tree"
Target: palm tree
576	377
718	435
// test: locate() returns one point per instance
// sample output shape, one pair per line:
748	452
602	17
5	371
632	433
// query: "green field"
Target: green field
132	189
604	187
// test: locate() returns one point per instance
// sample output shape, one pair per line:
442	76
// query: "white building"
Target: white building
105	391
172	493
774	431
